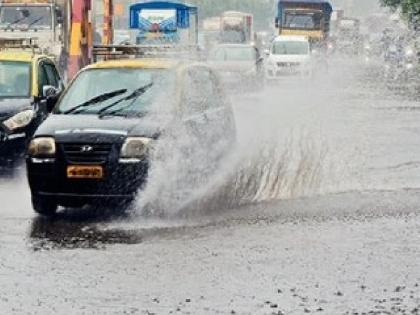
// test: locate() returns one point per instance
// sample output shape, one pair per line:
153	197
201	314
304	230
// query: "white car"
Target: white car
288	55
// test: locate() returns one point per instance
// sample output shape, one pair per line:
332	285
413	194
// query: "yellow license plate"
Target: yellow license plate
85	172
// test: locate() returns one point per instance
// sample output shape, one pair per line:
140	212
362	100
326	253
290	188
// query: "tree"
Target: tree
410	8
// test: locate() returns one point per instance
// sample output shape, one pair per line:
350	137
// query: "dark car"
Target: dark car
94	147
29	86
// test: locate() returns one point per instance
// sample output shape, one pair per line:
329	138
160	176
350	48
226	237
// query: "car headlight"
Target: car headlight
43	147
135	147
20	120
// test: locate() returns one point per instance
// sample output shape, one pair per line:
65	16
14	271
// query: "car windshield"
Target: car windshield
306	21
290	48
233	36
233	54
38	17
15	79
127	91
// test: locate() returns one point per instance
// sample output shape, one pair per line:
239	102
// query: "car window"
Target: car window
15	79
37	17
290	48
52	75
42	77
158	84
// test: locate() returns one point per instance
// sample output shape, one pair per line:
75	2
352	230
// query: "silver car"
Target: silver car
240	66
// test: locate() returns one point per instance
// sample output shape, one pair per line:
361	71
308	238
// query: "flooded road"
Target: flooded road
323	192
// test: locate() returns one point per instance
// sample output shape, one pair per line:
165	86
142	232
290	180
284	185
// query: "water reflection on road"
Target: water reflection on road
344	238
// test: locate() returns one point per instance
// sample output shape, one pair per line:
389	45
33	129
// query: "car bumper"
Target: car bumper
280	72
120	181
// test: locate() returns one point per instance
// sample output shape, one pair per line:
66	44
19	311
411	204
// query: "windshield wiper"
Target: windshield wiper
15	22
35	21
133	96
95	100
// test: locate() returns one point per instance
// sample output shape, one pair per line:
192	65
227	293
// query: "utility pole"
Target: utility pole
81	39
108	37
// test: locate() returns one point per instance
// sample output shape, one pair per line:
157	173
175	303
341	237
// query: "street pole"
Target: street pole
81	41
108	37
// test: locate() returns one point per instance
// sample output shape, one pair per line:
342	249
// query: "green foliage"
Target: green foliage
410	8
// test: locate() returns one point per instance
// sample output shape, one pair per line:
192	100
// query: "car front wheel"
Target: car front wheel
44	206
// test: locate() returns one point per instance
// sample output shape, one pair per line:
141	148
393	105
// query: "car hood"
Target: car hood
93	128
12	106
289	58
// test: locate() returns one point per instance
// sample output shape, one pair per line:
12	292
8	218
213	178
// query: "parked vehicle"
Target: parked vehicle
29	86
240	66
236	27
95	146
288	55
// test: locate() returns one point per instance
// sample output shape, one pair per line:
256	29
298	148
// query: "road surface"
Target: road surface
338	234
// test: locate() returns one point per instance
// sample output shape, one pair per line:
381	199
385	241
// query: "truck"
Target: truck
236	27
310	18
44	20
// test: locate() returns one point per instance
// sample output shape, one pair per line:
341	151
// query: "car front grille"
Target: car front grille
288	64
87	153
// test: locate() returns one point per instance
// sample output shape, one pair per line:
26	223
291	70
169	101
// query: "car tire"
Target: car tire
44	206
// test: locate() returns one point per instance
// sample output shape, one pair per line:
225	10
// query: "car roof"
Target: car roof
291	38
144	63
22	56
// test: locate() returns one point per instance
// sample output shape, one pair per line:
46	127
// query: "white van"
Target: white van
288	55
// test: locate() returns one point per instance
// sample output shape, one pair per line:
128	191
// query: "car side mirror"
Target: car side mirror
59	15
49	91
50	95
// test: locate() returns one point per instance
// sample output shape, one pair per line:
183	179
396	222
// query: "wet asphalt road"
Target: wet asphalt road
349	243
